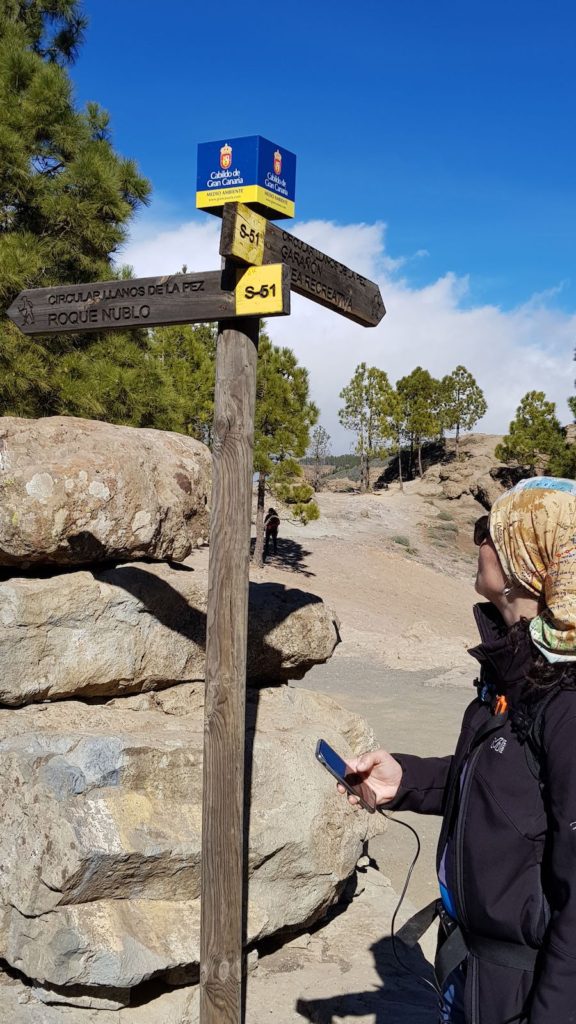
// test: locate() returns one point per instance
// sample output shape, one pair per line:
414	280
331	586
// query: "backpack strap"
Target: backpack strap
493	724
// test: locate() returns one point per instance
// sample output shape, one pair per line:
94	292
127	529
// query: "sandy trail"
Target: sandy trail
412	610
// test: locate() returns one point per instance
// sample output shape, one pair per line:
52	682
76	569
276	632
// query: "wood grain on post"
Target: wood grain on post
224	725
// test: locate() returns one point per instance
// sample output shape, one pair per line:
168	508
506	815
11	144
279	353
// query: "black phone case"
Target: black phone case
342	780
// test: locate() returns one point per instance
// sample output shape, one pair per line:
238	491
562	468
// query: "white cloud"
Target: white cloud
168	249
509	352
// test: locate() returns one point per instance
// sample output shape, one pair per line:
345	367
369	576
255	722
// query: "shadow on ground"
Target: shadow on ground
289	555
403	998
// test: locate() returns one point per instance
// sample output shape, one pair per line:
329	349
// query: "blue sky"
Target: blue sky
450	124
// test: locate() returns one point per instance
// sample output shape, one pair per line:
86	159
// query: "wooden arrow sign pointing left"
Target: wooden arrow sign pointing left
154	301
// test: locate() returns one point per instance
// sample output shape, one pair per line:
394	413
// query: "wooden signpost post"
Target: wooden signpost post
262	264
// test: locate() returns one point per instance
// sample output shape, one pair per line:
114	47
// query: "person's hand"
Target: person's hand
380	771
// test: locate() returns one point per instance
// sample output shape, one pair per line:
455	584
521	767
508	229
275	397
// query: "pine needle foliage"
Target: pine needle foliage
318	452
284	418
367	399
462	402
187	357
66	200
54	28
419	394
535	438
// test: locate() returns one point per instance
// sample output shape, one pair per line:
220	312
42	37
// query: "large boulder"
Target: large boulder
476	472
76	491
140	626
488	488
100	839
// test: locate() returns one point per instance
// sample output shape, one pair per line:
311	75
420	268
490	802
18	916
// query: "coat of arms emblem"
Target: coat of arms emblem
225	156
277	162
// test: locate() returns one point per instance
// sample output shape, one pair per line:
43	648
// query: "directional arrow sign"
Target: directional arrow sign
248	237
153	301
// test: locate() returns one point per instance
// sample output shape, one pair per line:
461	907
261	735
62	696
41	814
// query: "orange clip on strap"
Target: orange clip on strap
501	705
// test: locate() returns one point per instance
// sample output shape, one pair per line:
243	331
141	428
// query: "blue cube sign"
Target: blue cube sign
250	170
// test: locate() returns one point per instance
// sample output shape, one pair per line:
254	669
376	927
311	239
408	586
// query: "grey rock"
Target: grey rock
26	1004
477	472
100	845
90	945
77	995
488	488
75	491
140	626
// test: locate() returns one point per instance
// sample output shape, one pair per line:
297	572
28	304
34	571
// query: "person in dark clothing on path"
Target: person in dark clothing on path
271	524
507	850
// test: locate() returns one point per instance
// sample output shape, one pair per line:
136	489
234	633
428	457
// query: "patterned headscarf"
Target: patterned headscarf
533	527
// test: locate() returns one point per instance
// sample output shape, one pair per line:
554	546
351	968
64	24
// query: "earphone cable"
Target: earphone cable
399	961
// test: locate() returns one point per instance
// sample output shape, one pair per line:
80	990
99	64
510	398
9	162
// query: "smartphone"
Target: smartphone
344	774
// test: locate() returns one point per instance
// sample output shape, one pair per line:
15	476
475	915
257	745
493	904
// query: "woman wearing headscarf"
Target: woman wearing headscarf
507	849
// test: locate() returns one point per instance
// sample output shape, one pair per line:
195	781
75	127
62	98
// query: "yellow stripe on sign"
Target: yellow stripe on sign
259	290
244	194
219	196
274	201
249	235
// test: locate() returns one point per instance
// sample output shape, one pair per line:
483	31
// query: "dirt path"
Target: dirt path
409	605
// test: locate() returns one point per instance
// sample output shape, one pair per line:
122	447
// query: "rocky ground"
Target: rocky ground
398	568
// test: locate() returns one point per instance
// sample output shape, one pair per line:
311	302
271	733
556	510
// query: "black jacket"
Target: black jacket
513	846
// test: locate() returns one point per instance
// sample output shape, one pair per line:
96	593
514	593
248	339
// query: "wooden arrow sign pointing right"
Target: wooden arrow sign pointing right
153	301
248	237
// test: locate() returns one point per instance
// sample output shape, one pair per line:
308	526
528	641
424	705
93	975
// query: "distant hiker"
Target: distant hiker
271	524
507	850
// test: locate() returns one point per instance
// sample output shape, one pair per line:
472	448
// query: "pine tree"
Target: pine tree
421	395
318	452
364	399
393	425
66	200
535	437
283	420
462	402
